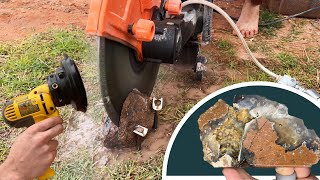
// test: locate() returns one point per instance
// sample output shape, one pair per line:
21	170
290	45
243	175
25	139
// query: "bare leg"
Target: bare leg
249	19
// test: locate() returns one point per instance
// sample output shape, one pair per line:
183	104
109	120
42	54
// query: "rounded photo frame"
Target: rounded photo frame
184	154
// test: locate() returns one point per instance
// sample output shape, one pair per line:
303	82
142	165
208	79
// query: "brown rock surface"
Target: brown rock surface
261	150
217	111
136	110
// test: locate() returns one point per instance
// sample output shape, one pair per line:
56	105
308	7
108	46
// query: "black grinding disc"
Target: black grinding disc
66	86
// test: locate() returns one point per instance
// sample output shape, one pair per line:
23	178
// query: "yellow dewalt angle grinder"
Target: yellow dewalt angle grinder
63	88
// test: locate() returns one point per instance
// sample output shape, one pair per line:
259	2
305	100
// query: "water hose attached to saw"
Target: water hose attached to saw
286	80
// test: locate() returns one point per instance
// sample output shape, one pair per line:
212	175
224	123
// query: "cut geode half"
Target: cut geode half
291	131
256	132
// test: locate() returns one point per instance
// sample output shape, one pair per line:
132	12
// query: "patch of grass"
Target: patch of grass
175	114
259	77
279	57
28	64
81	167
232	65
253	74
4	147
147	170
226	48
4	50
287	60
265	17
253	47
284	63
224	44
295	30
263	47
184	109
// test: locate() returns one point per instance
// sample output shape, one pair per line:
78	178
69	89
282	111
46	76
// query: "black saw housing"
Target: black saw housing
175	40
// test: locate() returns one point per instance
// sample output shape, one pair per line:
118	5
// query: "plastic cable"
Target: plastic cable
234	26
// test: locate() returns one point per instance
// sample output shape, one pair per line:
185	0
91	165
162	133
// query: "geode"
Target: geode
257	132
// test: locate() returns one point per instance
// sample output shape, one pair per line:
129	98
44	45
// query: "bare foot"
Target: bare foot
249	19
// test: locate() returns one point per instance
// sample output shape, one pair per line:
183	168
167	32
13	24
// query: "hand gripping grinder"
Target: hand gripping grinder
63	88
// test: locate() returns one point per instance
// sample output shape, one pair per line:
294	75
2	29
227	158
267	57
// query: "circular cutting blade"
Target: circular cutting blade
120	73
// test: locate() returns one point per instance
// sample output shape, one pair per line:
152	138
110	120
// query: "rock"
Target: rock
221	131
136	110
256	132
256	153
291	131
216	112
67	10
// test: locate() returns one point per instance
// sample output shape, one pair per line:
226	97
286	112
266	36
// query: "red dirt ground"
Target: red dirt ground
19	18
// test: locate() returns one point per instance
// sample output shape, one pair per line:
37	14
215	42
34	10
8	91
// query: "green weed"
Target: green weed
227	49
4	147
147	170
287	60
253	47
80	167
175	114
224	44
265	17
259	77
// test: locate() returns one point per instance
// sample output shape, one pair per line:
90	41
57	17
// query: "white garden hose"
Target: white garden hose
234	26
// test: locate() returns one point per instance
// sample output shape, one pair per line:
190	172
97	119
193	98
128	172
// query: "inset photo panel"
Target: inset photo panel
253	129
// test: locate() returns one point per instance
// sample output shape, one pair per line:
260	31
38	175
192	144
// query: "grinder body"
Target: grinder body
63	88
25	110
